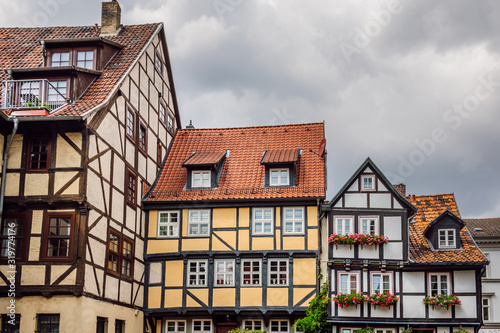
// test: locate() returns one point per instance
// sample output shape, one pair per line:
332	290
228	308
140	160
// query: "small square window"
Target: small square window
279	326
294	220
251	272
119	326
279	177
143	138
343	225
201	178
368	183
278	272
48	323
60	59
439	284
131	188
39	154
85	59
158	63
130	124
446	238
120	255
381	283
263	221
197	273
253	325
348	283
175	326
58	234
162	112
369	225
224	272
199	222
13	228
11	325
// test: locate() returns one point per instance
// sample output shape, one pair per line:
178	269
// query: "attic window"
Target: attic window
200	178
368	183
279	177
280	167
85	59
447	238
204	169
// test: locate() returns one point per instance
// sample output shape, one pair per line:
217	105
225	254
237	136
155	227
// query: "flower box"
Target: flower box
357	239
386	299
345	300
441	300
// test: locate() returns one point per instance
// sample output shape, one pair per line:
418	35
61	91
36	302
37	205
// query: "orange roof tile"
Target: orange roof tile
281	156
429	208
243	175
204	158
21	48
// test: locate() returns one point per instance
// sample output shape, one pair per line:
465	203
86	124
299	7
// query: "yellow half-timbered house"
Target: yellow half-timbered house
232	229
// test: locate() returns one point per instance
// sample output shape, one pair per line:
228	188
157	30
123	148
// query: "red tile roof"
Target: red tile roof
281	156
204	158
489	227
243	175
429	208
21	48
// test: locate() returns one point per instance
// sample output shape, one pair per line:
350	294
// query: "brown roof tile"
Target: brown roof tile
204	158
490	227
281	156
243	175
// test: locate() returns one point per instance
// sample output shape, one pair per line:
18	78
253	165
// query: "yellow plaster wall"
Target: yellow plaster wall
37	222
251	297
278	239
304	271
244	240
153	223
201	294
67	156
173	298
61	178
34	251
278	217
196	244
312	239
262	243
33	275
174	276
293	243
228	236
162	246
224	218
36	184
158	326
154	297
224	297
15	152
277	296
12	184
312	216
299	294
244	217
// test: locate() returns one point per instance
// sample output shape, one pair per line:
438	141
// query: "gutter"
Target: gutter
4	166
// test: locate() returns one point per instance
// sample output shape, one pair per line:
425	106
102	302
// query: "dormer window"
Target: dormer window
368	183
279	177
85	59
78	57
280	166
444	232
204	169
200	178
447	238
60	59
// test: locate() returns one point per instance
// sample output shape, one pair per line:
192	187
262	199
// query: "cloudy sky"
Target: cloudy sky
415	85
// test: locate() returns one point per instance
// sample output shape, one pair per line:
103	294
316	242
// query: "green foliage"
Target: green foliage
461	330
367	329
407	330
442	300
246	330
316	314
346	300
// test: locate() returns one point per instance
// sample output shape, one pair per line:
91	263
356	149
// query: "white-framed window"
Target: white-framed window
447	238
278	272
367	183
158	63
279	326
175	326
385	330
486	309
85	59
279	177
263	221
224	272
343	225
294	220
197	273
439	283
199	222
368	225
201	178
381	283
348	330
251	272
57	91
60	59
168	223
202	326
348	283
253	325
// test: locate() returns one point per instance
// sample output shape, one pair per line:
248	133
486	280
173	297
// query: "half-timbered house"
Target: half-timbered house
232	229
87	116
397	263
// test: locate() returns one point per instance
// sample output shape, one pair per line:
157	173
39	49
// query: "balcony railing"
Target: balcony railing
34	94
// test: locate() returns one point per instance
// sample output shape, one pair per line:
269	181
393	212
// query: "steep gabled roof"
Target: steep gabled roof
484	228
430	207
443	215
21	48
243	174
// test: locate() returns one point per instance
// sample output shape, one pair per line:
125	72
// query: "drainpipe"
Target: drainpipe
4	166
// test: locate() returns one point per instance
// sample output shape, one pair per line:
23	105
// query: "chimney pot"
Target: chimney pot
111	18
190	126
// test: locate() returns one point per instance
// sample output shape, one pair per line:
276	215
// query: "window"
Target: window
343	225
102	325
294	220
85	59
253	325
367	183
202	326
224	272
168	224
13	230
170	122
39	154
368	225
162	112
200	179
279	177
197	273
60	59
262	221
199	222
47	323
175	326
251	272
446	238
381	283
57	92
385	330
158	153
279	326
120	255
119	326
130	124
439	284
143	138
348	283
131	188
58	233
11	325
278	272
486	309
158	63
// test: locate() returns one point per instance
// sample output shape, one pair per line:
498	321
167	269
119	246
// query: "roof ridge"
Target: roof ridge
78	26
248	127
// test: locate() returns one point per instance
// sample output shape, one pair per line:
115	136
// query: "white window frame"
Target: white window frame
362	183
192	222
278	281
264	221
384	330
342	230
175	226
348	275
251	273
198	273
486	307
85	60
448	244
60	57
381	289
227	273
365	218
203	322
296	222
439	289
252	325
204	182
280	322
348	329
279	182
176	322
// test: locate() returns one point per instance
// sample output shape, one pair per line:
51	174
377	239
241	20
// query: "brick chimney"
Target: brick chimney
111	18
401	189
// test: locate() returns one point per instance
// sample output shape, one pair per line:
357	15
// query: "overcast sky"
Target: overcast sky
415	85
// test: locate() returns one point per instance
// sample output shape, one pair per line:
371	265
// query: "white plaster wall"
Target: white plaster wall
117	206
393	227
465	281
439	313
413	306
380	200
125	292
468	307
349	311
381	186
393	250
368	251
354	187
355	200
341	251
396	203
111	288
413	282
155	272
382	312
